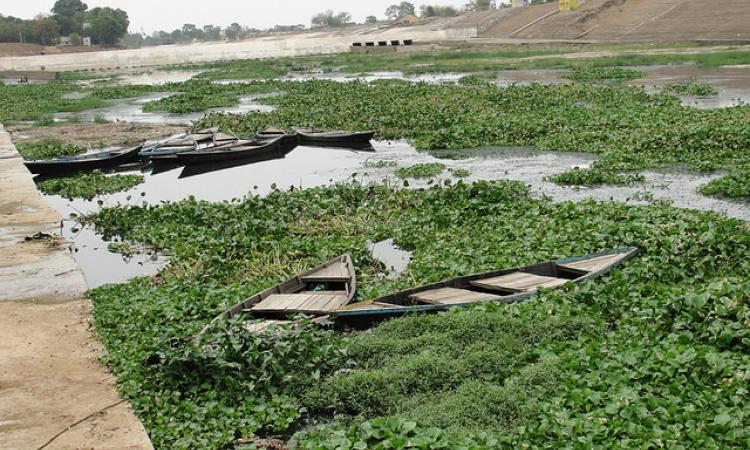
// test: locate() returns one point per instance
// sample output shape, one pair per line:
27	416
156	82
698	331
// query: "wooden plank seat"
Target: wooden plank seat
336	272
369	306
306	302
593	264
452	296
259	327
518	282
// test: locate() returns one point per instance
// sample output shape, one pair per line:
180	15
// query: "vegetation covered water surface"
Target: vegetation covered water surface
656	353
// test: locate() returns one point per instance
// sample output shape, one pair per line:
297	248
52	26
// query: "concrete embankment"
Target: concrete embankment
54	392
279	46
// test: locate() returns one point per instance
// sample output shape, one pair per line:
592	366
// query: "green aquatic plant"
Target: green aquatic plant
594	177
734	185
478	79
692	87
89	185
665	332
423	170
603	73
379	164
47	149
460	173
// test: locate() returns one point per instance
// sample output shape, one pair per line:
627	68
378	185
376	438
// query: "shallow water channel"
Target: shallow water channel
307	167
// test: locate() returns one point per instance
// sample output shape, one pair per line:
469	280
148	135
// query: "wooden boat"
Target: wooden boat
249	149
87	162
172	158
288	142
316	137
317	292
504	286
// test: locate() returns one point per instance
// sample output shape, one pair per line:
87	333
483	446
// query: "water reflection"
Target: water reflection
395	259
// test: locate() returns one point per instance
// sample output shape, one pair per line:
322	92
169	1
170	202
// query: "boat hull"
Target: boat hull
96	161
235	153
397	305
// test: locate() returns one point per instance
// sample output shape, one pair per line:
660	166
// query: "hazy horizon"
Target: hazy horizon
149	16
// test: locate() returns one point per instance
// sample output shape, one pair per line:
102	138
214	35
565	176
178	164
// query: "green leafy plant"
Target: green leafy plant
692	87
734	185
87	186
423	170
598	73
47	149
594	177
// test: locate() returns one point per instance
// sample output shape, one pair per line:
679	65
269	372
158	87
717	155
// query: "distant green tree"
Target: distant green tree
481	5
370	20
107	26
68	14
13	29
75	39
400	10
234	32
437	11
46	29
329	19
211	33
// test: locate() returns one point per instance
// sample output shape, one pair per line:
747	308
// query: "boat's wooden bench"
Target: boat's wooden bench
335	273
307	302
452	296
518	282
593	264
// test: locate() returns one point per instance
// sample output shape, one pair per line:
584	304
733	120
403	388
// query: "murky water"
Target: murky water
394	258
732	82
158	77
131	110
308	167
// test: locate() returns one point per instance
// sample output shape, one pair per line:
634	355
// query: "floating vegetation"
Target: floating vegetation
379	164
423	170
603	73
460	173
692	87
477	79
47	149
503	370
89	185
735	185
594	177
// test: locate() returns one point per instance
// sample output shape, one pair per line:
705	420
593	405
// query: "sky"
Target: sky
152	15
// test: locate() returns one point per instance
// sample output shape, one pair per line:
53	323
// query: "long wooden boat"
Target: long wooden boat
172	158
227	153
288	142
504	286
317	292
315	137
87	162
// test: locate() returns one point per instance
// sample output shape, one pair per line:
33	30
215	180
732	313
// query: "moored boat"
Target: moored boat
314	293
503	286
91	161
289	140
247	149
316	137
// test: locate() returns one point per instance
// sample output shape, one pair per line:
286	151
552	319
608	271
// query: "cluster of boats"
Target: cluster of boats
326	292
205	147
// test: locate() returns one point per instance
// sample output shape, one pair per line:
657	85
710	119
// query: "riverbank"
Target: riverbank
54	392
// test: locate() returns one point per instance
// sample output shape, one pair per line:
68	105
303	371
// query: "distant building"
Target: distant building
518	3
570	5
64	41
86	41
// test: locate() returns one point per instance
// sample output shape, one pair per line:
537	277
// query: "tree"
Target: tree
46	29
107	25
211	33
481	5
329	19
68	14
437	11
400	10
234	32
371	20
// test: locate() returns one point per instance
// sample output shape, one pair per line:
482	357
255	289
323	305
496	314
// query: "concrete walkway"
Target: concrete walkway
54	393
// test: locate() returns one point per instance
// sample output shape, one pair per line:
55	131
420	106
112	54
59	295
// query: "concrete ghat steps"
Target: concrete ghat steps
50	375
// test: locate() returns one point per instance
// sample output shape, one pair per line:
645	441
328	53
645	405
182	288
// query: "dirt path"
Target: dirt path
93	135
53	390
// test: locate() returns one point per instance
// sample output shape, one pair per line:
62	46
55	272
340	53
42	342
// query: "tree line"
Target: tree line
70	19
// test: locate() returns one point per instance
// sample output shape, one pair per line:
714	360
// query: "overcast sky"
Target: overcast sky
151	15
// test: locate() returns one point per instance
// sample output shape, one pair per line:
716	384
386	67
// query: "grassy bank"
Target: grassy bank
654	352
